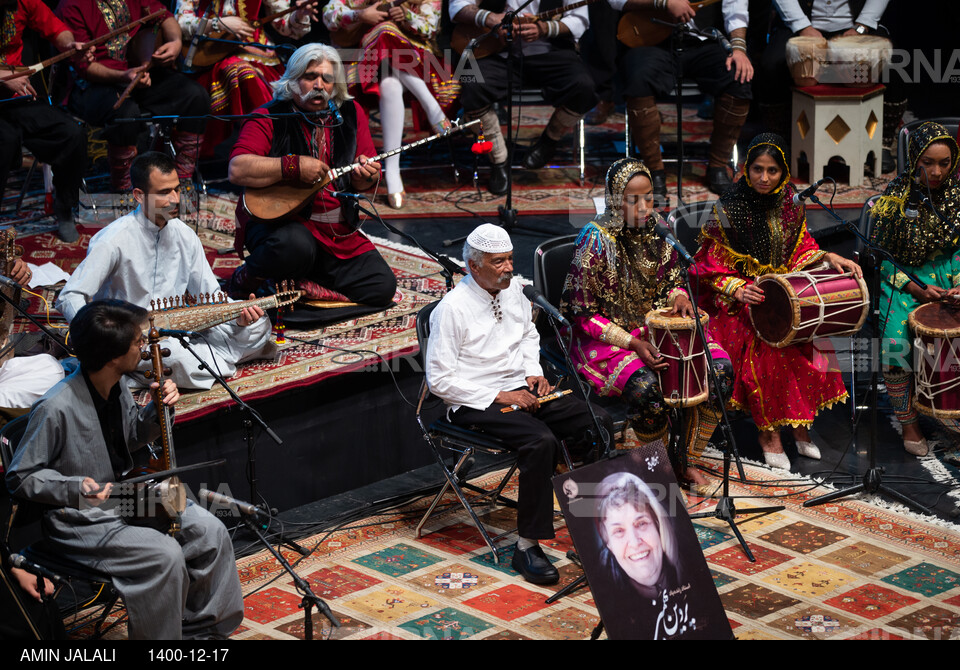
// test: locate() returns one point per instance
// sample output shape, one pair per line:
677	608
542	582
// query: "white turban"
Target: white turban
490	239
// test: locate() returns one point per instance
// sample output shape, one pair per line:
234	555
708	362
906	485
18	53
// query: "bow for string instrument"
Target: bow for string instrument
209	52
20	70
160	496
280	200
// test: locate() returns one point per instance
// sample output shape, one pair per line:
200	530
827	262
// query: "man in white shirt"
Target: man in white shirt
483	355
549	61
649	72
150	255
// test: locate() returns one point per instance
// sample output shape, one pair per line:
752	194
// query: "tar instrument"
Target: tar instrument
19	71
210	52
637	29
207	310
936	348
684	381
140	51
9	253
278	201
540	401
846	60
159	502
806	305
350	36
464	32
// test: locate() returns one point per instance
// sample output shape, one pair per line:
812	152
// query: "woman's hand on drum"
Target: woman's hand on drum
683	307
649	355
843	264
930	294
749	295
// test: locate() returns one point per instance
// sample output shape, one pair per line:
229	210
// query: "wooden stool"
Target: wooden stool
839	121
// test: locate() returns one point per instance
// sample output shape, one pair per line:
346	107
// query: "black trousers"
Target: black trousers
53	137
560	75
536	437
651	71
290	251
170	93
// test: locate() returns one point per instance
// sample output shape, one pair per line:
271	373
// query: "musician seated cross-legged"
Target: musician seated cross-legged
77	446
758	230
237	78
318	243
650	71
48	132
484	356
160	90
150	254
621	271
546	58
928	247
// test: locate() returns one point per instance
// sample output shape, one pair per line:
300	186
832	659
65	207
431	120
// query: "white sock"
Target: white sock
391	122
523	543
418	87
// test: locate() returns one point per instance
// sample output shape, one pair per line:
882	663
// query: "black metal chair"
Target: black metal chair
950	122
551	263
446	438
687	221
23	525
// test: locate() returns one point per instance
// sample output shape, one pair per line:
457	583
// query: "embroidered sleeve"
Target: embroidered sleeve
423	18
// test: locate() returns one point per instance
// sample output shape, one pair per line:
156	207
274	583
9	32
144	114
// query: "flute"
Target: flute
540	400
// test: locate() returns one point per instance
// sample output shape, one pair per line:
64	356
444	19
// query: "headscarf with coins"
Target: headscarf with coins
913	241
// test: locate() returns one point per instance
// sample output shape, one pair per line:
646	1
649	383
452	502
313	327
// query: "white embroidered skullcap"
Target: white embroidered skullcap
490	239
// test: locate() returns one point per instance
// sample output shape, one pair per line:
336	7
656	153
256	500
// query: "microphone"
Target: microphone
349	196
663	230
19	561
912	209
798	198
331	105
6	281
214	498
722	39
534	296
192	51
178	333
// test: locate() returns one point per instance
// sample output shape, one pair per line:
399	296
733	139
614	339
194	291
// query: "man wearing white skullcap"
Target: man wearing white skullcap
484	355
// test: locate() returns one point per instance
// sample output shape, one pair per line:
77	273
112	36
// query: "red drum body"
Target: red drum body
684	383
936	359
803	306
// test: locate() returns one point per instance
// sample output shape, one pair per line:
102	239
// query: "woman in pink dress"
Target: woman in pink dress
757	230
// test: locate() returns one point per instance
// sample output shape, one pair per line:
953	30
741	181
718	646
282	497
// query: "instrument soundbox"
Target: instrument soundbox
280	200
9	253
205	311
636	29
464	32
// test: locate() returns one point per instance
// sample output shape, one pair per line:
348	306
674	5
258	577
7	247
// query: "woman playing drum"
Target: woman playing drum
758	230
925	245
621	270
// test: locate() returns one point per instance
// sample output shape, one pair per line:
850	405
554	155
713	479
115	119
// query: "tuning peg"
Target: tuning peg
164	352
145	356
167	371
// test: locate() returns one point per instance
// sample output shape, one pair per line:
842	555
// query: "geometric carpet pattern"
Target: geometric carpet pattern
843	571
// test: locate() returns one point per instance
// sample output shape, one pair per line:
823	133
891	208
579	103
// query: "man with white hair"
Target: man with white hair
484	355
311	125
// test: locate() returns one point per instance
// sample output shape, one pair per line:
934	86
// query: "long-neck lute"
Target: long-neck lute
205	311
464	32
637	29
9	253
279	201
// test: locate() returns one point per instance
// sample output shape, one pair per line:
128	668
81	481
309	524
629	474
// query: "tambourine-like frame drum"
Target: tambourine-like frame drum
806	58
684	382
803	306
936	359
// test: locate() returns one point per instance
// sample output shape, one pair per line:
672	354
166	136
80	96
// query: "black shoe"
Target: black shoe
540	153
534	566
497	184
659	188
718	179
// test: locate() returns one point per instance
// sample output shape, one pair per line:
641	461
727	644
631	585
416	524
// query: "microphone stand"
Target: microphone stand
726	509
872	479
248	416
506	212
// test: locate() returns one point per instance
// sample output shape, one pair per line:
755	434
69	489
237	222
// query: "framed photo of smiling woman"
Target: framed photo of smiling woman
639	549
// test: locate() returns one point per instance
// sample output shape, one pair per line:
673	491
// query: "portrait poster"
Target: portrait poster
639	549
